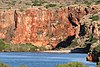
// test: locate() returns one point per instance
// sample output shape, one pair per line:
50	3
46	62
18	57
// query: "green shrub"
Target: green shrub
72	64
95	18
2	45
38	2
50	5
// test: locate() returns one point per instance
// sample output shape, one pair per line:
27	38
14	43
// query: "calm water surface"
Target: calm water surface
36	59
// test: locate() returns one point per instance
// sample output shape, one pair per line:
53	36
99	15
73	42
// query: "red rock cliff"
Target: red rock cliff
41	26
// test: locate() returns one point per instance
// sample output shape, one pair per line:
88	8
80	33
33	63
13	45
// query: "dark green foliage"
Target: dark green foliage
50	5
2	45
95	18
72	64
37	2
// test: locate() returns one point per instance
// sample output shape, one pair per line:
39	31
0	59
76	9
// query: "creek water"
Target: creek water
40	59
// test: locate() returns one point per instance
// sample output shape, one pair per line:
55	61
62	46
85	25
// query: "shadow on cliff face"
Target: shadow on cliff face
82	50
65	43
82	30
15	19
71	20
85	49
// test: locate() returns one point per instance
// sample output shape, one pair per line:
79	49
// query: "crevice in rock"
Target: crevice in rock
86	11
82	30
15	19
71	20
93	29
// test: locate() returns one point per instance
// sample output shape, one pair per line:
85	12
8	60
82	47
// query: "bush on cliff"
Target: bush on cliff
95	18
38	2
2	45
72	64
50	5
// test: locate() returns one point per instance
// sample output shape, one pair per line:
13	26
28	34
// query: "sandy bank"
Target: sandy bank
57	51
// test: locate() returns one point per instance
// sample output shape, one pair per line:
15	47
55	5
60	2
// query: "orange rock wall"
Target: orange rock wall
41	26
6	23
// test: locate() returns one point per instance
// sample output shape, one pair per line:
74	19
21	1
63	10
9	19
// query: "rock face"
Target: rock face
41	26
6	24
